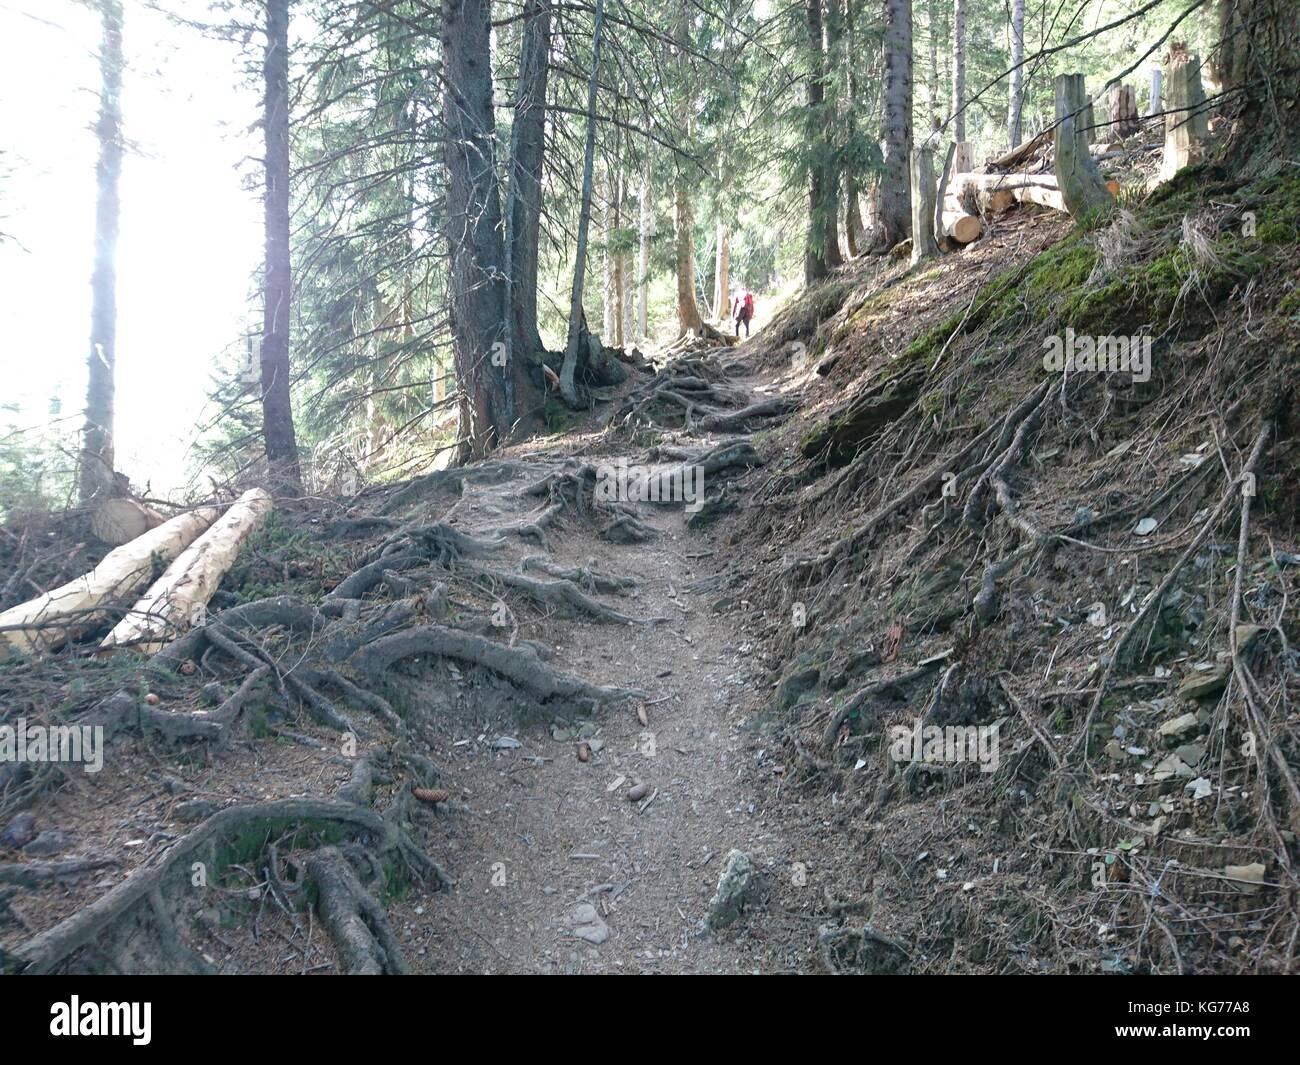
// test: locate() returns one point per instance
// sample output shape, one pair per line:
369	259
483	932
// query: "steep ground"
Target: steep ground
475	629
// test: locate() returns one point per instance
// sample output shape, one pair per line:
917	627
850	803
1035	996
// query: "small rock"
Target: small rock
1204	685
51	841
20	831
733	889
1178	726
588	924
1248	634
638	792
1249	875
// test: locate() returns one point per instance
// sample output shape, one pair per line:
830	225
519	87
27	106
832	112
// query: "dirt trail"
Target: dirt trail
536	832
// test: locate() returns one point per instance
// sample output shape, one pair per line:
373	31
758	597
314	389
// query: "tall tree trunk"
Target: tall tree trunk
524	205
689	318
607	226
567	387
1016	102
688	309
473	231
932	78
854	231
830	134
96	466
617	253
896	124
959	70
277	409
721	269
816	257
643	251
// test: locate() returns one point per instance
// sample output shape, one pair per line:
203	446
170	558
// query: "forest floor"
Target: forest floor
576	709
549	832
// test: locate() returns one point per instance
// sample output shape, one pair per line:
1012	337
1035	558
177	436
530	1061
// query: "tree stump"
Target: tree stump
1187	120
120	520
1154	96
923	197
1123	110
1076	174
963	160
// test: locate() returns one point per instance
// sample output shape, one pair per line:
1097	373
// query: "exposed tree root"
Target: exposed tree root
521	665
563	596
365	941
143	906
585	576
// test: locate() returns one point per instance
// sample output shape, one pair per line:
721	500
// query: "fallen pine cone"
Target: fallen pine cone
584	752
188	668
431	795
151	699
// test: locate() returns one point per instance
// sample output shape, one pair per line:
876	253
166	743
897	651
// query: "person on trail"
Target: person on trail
742	310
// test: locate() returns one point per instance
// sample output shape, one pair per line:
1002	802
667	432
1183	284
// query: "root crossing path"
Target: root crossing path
609	864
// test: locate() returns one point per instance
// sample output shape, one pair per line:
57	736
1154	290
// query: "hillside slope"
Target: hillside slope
494	719
1096	568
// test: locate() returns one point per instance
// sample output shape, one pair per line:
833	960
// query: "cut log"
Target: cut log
1076	174
997	201
178	599
1042	197
961	227
960	181
119	521
51	619
1028	150
991	194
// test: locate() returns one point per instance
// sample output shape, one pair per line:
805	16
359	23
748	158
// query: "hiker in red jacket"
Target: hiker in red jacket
742	310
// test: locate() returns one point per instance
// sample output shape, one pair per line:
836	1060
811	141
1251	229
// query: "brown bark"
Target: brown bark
95	476
524	210
895	193
277	410
473	231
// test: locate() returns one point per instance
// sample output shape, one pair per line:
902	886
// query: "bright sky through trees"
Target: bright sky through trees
191	233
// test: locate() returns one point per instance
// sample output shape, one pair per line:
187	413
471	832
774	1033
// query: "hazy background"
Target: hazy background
190	232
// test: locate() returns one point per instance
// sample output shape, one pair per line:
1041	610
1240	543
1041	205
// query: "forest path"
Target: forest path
545	833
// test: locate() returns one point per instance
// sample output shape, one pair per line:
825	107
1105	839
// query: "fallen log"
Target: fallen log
1027	150
49	620
119	521
1044	197
961	227
177	599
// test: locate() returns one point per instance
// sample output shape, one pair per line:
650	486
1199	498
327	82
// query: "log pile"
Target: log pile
200	546
180	596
